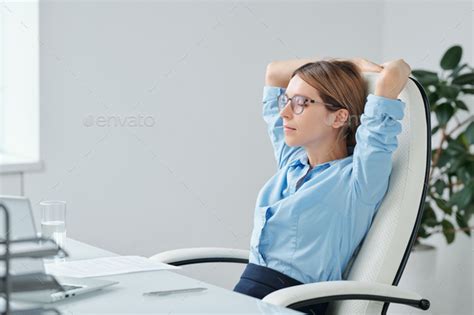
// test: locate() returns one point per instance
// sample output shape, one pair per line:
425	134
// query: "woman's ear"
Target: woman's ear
340	118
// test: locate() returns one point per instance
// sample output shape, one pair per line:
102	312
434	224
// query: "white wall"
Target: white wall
196	70
11	184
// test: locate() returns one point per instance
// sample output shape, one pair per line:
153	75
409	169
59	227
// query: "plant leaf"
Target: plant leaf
466	78
462	224
451	57
456	147
470	133
422	232
449	91
429	216
455	163
448	231
439	186
457	70
461	198
433	97
461	105
443	159
423	73
431	222
443	113
463	174
467	90
443	205
460	139
425	77
469	212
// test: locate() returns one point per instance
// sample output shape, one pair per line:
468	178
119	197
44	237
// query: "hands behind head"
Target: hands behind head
393	75
392	79
365	65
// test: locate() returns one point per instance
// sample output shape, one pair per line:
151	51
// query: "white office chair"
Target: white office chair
371	277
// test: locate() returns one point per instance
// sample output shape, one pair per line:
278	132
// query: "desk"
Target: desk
126	297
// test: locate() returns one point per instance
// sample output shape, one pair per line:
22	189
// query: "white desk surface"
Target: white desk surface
126	297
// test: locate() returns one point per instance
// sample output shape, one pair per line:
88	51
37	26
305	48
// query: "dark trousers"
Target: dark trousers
259	281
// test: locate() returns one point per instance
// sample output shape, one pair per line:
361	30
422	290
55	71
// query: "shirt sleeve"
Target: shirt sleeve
376	140
271	116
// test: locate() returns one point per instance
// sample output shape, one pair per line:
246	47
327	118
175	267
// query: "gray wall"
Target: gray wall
196	71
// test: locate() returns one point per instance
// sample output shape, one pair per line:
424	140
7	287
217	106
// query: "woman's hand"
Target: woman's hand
365	65
392	78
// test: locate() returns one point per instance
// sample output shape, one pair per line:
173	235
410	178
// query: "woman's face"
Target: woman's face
314	125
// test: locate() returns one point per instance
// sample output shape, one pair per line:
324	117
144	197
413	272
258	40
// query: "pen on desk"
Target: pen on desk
168	292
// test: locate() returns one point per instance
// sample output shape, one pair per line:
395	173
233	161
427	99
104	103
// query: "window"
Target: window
19	85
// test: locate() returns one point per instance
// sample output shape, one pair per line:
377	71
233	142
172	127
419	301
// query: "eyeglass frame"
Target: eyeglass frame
292	105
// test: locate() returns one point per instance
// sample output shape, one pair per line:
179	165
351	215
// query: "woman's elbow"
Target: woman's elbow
271	74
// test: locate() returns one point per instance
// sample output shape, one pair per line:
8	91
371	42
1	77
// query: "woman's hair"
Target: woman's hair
339	83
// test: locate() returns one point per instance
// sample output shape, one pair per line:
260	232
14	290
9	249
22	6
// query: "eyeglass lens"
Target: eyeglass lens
297	103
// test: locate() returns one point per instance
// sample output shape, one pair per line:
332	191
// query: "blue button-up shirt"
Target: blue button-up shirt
308	222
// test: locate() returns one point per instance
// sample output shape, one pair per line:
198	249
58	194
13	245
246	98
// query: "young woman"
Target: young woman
333	144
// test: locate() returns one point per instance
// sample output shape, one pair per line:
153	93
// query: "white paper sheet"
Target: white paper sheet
107	266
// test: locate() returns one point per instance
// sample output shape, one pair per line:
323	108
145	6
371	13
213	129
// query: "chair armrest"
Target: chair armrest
186	256
322	292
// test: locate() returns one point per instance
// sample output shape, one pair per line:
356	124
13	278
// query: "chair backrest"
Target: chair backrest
383	254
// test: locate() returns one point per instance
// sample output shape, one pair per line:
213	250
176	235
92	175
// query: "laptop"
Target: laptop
22	226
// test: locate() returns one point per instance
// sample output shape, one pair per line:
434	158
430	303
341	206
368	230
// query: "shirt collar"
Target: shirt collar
303	159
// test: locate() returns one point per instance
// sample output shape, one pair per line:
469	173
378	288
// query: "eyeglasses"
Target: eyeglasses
298	103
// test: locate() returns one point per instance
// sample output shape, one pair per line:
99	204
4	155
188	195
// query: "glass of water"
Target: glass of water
53	221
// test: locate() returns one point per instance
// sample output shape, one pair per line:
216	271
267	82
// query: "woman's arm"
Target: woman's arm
376	137
392	79
279	73
277	78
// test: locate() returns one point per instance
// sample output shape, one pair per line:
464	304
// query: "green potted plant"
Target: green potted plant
449	202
